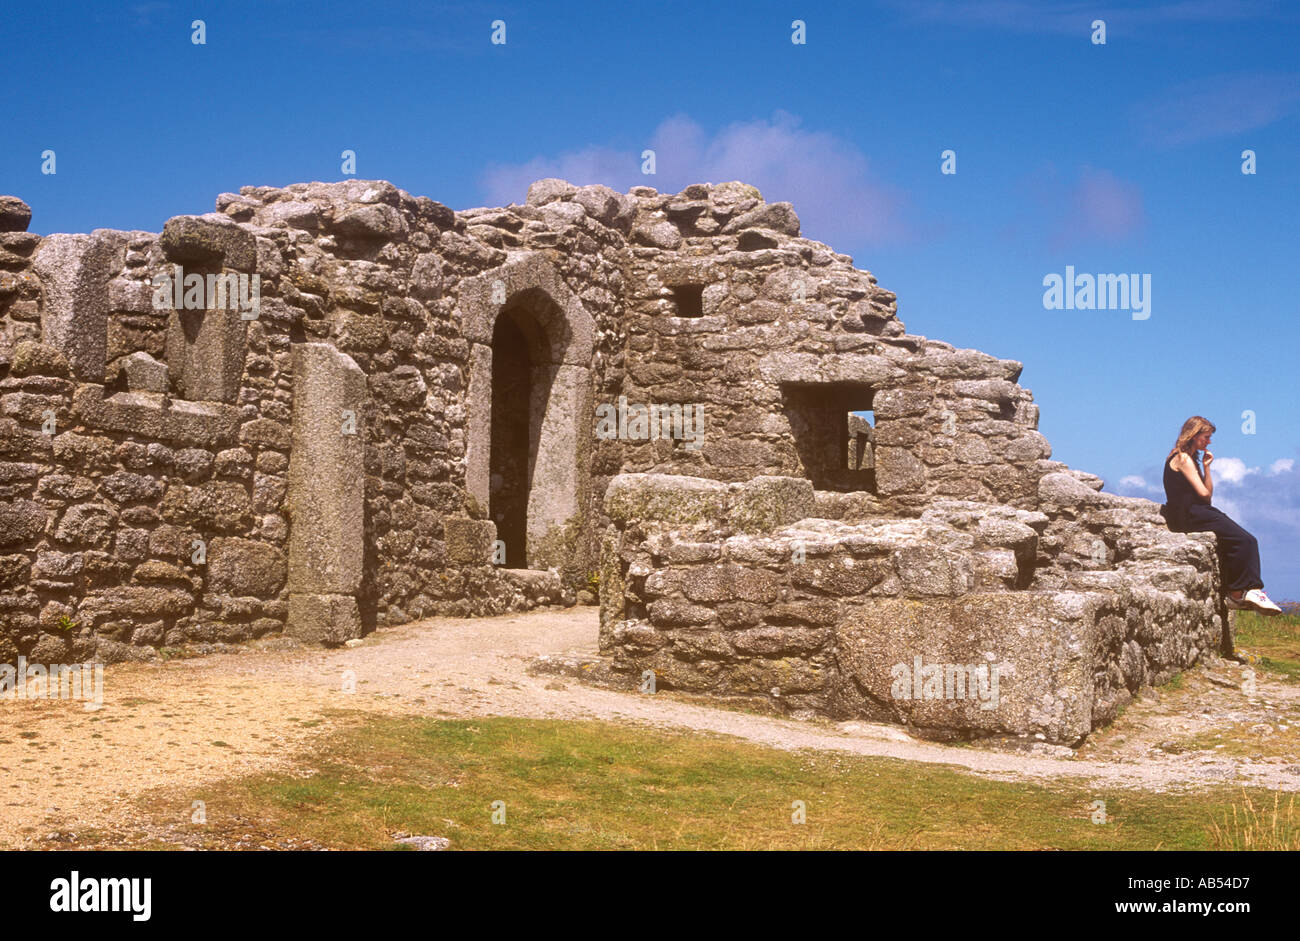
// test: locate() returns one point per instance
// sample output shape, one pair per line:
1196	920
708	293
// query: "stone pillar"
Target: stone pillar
478	449
326	495
75	270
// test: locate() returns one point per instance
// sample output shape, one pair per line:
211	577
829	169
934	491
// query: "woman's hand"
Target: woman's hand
1207	460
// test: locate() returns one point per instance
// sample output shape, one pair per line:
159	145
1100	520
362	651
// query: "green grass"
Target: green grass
596	785
1274	640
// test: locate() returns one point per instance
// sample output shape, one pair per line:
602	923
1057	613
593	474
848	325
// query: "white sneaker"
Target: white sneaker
1260	601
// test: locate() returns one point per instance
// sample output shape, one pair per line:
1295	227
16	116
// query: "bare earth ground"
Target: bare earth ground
181	723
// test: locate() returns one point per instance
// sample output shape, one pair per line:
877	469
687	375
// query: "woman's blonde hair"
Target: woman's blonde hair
1192	428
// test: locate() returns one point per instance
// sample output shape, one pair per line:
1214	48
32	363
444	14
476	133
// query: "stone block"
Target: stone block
210	241
673	612
898	471
1039	653
87	525
377	222
767	503
220	506
37	359
779	217
75	270
541	192
323	618
144	373
20	520
245	567
664	499
15	215
777	641
152	415
125	487
14	571
205	353
135	601
1064	490
293	213
839	575
829	368
469	541
994	390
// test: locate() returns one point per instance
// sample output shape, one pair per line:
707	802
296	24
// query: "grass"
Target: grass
1274	640
596	786
1259	828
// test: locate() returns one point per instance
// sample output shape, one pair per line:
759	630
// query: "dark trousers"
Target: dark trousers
1238	550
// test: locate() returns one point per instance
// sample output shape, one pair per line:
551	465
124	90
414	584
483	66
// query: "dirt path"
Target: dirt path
182	723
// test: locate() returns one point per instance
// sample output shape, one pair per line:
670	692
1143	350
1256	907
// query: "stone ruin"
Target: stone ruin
406	426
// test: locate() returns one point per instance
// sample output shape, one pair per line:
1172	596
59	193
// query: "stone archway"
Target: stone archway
522	318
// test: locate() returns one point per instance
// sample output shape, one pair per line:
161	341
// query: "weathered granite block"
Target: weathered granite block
75	270
323	618
469	541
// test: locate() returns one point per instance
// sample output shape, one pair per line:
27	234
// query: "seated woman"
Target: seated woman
1187	509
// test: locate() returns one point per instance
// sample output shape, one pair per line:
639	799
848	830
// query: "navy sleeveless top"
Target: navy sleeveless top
1179	494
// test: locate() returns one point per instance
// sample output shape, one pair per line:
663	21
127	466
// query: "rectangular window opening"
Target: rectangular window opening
833	426
688	300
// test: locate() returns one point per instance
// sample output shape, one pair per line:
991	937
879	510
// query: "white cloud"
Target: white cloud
1231	470
1136	482
1217	106
1283	465
828	179
1067	208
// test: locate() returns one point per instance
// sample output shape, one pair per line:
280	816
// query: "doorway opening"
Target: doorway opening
517	371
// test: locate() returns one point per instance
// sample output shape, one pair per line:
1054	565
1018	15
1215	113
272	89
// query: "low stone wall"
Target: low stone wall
939	623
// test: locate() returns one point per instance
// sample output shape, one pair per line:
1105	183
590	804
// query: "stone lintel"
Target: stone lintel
572	341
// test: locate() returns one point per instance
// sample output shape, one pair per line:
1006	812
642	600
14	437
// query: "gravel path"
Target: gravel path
185	722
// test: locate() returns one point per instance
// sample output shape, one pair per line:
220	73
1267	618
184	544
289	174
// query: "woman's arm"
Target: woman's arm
1187	466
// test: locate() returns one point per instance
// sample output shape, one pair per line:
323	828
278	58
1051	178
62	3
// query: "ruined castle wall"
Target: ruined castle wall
331	463
730	590
174	430
778	338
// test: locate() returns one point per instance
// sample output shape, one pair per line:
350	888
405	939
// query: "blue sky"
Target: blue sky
1123	157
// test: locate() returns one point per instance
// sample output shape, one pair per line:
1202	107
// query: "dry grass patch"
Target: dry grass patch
597	785
1258	827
